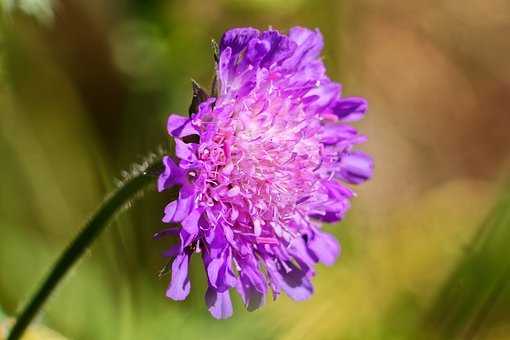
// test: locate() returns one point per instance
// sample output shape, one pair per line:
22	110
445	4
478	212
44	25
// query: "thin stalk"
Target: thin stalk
95	225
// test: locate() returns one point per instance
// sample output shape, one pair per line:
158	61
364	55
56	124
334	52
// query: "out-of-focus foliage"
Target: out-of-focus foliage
37	332
477	294
86	93
42	10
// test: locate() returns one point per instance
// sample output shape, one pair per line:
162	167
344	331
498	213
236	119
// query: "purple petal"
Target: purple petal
179	209
309	46
189	228
185	203
297	288
281	48
294	282
325	247
334	209
257	50
327	92
246	88
356	167
170	212
329	216
301	252
223	68
179	286
179	126
220	305
251	286
252	298
237	39
219	269
171	176
336	190
334	133
216	240
185	151
350	108
214	268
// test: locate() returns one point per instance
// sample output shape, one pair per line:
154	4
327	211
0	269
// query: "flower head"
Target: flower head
259	167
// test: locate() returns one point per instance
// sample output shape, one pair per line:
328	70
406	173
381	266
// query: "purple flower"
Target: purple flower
259	168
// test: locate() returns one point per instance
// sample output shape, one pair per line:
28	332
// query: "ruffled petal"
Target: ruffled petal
179	209
325	247
179	285
293	281
280	48
185	151
309	46
171	175
189	228
219	304
326	92
237	39
257	49
252	298
356	167
179	126
224	69
350	109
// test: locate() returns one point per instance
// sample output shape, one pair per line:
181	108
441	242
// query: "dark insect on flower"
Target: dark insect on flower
260	166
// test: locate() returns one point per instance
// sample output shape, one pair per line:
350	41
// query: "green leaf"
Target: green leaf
476	296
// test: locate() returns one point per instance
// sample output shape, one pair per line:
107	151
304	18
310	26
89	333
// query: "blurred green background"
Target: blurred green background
85	90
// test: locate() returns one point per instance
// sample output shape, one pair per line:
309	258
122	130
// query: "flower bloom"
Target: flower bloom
259	168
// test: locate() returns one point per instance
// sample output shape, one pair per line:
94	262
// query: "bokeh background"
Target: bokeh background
85	90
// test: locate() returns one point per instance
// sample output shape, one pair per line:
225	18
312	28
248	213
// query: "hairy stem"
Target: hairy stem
97	223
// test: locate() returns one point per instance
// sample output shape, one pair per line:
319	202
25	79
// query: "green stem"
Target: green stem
85	238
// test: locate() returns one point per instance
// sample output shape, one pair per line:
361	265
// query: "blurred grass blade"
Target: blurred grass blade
97	223
475	296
